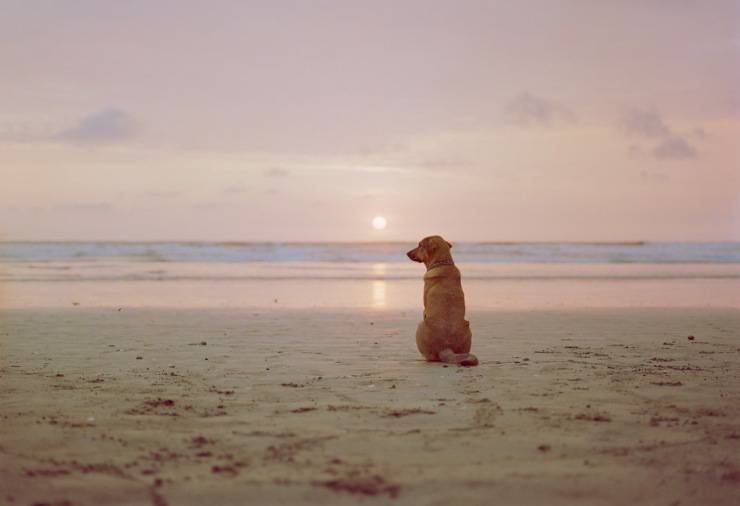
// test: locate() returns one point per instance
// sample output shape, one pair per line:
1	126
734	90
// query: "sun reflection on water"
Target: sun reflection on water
378	285
379	293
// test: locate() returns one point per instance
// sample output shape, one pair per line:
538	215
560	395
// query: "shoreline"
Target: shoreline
500	294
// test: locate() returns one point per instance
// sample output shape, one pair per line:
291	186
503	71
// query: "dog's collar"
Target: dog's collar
441	262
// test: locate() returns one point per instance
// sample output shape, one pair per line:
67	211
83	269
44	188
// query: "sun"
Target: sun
379	223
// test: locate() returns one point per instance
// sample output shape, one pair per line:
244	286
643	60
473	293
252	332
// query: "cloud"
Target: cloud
25	132
635	150
674	147
236	188
91	207
163	194
644	124
529	110
733	105
276	172
653	177
445	163
667	144
698	133
108	125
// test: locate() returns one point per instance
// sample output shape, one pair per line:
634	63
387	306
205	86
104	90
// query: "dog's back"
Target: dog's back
443	294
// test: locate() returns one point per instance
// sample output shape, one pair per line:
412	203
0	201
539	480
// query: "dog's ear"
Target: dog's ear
449	245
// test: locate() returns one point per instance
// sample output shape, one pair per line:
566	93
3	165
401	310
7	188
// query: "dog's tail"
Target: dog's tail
450	357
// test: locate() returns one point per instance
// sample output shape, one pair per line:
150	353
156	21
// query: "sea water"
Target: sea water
377	274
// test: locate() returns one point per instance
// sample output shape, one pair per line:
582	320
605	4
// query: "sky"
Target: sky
303	120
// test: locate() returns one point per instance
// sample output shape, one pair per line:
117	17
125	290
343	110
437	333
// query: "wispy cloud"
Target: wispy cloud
24	132
529	110
635	151
85	207
236	188
653	177
451	163
106	126
644	124
276	172
675	147
163	194
649	126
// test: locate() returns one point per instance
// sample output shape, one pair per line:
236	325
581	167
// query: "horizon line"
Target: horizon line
395	241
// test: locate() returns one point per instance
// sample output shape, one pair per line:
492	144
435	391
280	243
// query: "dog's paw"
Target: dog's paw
464	359
469	361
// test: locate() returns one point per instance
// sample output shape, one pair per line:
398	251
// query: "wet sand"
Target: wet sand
281	406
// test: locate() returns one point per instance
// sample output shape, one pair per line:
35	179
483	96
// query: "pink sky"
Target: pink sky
303	120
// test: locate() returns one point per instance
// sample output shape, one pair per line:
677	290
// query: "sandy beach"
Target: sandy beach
221	224
280	406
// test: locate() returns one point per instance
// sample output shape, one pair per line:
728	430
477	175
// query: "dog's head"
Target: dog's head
430	250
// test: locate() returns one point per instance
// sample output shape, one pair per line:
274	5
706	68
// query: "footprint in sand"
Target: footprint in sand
485	414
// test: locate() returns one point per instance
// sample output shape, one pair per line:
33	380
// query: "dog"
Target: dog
444	335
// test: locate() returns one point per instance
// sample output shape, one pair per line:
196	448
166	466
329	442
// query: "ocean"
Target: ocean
373	274
375	252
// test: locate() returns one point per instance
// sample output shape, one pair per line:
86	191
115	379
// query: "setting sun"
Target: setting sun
379	223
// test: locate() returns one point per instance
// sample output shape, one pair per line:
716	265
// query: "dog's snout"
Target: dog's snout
412	255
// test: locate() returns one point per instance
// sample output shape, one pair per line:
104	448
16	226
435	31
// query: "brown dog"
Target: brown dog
444	334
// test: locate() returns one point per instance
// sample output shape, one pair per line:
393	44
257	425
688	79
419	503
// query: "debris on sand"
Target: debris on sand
370	486
63	502
160	402
691	338
593	418
157	498
731	476
200	441
406	412
215	390
302	410
45	472
667	383
225	470
154	407
670	421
